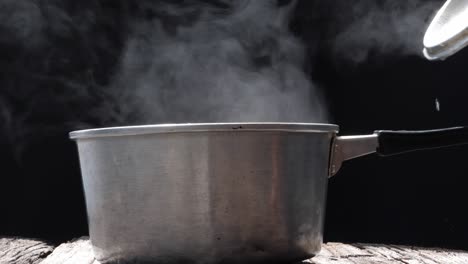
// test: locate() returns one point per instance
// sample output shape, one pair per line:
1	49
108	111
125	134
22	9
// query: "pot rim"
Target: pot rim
204	127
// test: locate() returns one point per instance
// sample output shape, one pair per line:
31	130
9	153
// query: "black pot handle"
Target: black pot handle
388	142
396	142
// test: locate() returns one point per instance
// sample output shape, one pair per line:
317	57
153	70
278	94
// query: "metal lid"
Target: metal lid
448	31
202	127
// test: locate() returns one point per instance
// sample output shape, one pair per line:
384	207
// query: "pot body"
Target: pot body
207	196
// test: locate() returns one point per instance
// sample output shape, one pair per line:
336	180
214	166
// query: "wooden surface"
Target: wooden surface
14	250
18	250
338	253
77	251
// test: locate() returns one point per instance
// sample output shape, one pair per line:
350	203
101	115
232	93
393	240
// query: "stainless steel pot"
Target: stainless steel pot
220	193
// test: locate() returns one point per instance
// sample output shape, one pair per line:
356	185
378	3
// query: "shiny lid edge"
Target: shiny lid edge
202	127
438	46
448	49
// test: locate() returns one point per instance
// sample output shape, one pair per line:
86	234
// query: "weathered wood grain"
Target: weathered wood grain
23	251
14	250
79	251
76	251
338	253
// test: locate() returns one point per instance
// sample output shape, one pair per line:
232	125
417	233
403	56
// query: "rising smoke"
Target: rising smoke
234	62
55	59
100	64
381	27
67	65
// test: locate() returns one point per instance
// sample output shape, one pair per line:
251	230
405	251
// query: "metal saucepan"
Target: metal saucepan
221	193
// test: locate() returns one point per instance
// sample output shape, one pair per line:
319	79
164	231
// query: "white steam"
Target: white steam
387	27
237	63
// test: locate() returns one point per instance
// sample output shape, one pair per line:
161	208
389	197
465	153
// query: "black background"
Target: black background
417	198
